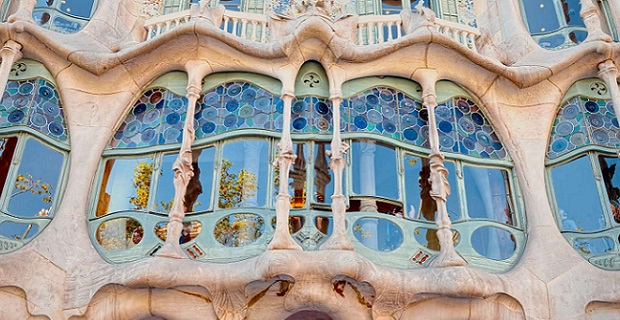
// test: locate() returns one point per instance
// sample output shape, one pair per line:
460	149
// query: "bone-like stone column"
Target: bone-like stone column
183	170
23	12
10	52
438	177
338	240
609	73
282	239
592	19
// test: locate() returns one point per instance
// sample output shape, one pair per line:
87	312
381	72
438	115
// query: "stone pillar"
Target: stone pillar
183	169
439	177
608	72
592	19
282	239
338	239
10	53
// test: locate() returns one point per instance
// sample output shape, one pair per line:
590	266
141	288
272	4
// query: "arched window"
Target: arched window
33	154
66	16
582	161
557	24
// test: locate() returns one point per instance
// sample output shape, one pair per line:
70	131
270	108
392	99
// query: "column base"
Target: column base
170	250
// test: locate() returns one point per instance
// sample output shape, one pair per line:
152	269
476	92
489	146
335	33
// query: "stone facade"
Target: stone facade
100	72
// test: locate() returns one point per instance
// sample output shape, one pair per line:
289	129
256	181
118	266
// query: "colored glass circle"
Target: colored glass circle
299	106
248	95
46	92
26	88
559	145
246	112
389	127
410	134
372	99
233	89
596	120
600	137
408	120
16	116
570	111
564	128
230	121
300	123
591	106
148	135
374	116
443	112
38	119
467	125
484	139
173	118
139	109
232	105
477	118
360	122
212	98
445	126
208	127
469	144
322	108
156	97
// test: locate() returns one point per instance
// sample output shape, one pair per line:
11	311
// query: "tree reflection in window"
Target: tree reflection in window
612	181
243	171
35	184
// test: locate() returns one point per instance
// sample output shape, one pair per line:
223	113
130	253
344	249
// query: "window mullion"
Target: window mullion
157	166
217	165
460	190
12	171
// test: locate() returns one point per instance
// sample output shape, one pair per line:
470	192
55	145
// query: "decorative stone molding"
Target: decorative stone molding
592	19
10	53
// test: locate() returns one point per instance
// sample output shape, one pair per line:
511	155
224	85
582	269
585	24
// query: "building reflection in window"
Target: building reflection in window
612	181
577	196
243	173
323	176
375	172
488	194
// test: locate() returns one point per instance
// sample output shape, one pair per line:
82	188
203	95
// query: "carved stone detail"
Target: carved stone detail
592	19
10	52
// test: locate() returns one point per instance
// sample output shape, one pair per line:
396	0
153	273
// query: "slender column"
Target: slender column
10	53
592	19
608	72
338	239
282	239
183	172
440	189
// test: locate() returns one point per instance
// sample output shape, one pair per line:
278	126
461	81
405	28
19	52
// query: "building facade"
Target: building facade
449	159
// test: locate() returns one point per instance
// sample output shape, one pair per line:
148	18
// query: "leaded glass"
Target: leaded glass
375	110
582	121
36	104
475	134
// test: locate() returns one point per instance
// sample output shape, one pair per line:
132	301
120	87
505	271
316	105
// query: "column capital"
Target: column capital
607	68
193	91
288	94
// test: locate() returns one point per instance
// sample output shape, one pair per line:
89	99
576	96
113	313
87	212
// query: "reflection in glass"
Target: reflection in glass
119	234
612	183
596	246
198	192
391	6
324	224
126	184
242	173
231	5
417	186
378	234
577	197
191	229
297	177
323	176
7	149
36	181
428	238
18	231
493	243
239	229
78	8
295	223
375	170
541	16
488	194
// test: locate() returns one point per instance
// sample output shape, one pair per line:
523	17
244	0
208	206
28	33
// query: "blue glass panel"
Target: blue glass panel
375	172
571	9
18	231
378	234
417	190
488	194
78	8
552	41
594	246
493	243
541	16
37	180
67	26
126	185
577	196
376	111
244	105
476	136
243	174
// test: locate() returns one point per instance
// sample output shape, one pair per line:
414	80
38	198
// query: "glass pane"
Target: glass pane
374	168
232	5
119	234
323	176
243	174
37	180
324	224
494	243
295	223
297	177
378	234
7	149
126	185
596	246
577	196
428	238
78	8
191	230
541	16
239	229
18	231
198	193
391	6
571	9
421	205
612	183
488	194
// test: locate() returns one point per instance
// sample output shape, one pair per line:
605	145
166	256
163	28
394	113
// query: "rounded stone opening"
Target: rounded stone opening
309	315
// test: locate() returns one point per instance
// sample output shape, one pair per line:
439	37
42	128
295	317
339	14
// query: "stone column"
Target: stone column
608	72
10	53
183	169
592	19
282	239
440	189
338	239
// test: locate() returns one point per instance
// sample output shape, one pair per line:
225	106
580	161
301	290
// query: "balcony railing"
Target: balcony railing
371	29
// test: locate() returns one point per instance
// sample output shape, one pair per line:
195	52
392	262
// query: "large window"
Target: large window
582	161
33	149
66	16
557	24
